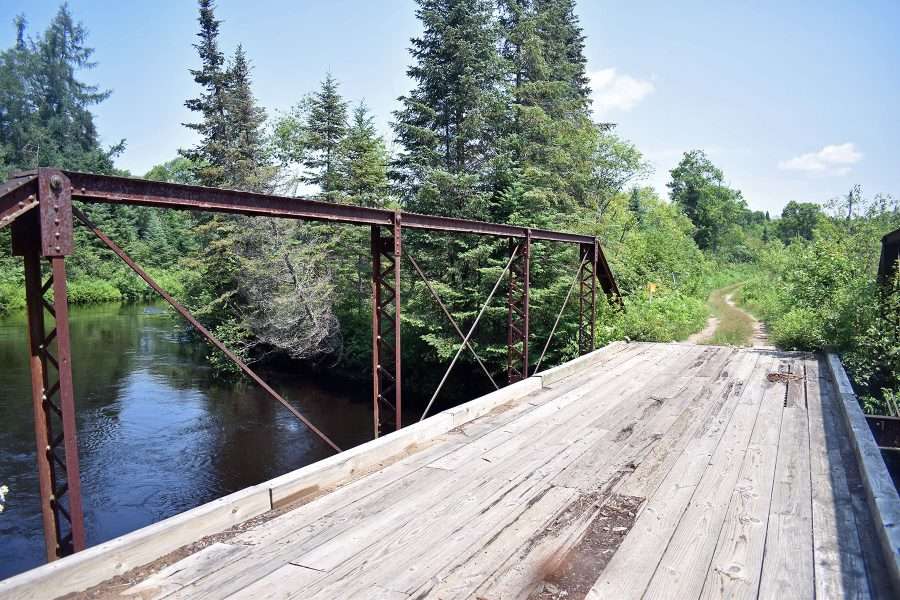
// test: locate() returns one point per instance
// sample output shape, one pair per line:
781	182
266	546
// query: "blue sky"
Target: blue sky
793	100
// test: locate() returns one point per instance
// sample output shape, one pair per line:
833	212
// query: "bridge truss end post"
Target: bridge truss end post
387	397
587	298
46	234
518	309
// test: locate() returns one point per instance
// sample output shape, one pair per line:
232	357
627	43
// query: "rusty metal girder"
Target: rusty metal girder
125	190
518	311
17	197
387	391
587	298
38	235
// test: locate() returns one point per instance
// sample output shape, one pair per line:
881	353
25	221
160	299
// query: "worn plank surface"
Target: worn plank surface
741	479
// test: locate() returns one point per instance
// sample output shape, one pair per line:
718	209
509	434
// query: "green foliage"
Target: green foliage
666	317
799	220
716	210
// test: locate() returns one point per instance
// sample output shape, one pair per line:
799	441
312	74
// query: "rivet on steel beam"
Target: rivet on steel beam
57	248
21	203
56	183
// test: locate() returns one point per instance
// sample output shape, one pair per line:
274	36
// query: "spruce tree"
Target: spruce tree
45	118
326	127
364	159
208	155
447	123
246	154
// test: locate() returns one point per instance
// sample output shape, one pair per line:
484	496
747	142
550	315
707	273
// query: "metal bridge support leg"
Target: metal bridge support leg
386	361
517	320
587	297
49	234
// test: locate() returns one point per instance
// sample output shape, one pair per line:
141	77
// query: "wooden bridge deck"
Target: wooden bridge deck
660	471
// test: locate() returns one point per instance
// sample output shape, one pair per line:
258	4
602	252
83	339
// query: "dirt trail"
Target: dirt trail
758	339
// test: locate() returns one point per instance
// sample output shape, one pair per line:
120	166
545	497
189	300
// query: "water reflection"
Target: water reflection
157	436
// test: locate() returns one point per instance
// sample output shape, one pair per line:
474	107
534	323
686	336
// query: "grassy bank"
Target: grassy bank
735	327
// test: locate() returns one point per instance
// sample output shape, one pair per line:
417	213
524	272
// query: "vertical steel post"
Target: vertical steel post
517	319
386	359
47	233
587	297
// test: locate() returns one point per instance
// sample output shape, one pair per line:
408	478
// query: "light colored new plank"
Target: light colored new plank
682	568
183	572
787	570
838	559
280	584
630	570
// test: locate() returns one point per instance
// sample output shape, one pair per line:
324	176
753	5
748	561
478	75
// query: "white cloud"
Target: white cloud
830	160
614	91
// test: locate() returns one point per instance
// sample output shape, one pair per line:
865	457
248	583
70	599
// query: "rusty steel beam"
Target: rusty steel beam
587	298
17	197
387	392
518	312
200	328
38	235
126	190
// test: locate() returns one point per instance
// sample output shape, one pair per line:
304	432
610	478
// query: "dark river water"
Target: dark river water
157	435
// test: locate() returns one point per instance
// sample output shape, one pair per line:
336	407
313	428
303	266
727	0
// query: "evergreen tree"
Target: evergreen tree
209	154
45	117
246	155
364	161
447	124
326	127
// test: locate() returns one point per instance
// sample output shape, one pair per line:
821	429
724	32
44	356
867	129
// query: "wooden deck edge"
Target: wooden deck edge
94	565
882	497
567	369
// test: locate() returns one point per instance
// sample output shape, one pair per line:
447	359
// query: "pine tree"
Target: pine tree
46	118
447	124
326	127
364	159
245	154
208	155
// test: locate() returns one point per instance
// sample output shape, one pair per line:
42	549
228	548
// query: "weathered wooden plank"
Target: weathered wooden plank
485	559
185	571
735	565
838	560
683	566
788	570
655	465
632	567
883	497
630	441
280	584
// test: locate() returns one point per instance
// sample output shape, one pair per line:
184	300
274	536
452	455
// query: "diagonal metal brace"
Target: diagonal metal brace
559	315
198	326
451	319
471	331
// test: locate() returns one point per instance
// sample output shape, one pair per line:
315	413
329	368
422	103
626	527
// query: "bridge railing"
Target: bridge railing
38	206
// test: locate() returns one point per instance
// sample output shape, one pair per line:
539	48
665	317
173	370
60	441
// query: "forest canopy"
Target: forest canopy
497	126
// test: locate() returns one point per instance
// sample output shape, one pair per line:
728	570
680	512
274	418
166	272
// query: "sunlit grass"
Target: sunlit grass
735	326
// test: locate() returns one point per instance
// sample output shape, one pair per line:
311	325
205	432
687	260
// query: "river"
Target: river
157	435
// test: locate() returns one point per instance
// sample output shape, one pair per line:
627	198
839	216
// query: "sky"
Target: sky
792	100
